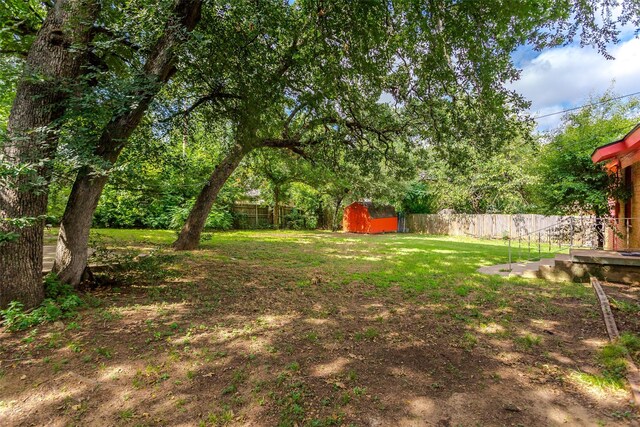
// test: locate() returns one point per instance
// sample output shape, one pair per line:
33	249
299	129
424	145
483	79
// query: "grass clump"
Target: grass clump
126	414
630	341
613	355
369	334
219	418
625	306
61	302
292	405
613	361
469	341
528	341
601	382
462	290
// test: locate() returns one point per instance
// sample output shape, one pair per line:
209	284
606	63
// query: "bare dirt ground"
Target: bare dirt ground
625	304
233	335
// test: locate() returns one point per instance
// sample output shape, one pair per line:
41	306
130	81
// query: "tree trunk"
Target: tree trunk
334	225
73	239
320	215
276	208
51	68
189	237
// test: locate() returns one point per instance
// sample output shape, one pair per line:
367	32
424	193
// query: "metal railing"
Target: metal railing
575	232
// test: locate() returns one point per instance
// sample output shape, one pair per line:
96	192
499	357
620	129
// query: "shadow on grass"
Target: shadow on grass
225	336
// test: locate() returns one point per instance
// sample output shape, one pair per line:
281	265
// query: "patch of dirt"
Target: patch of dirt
626	313
243	343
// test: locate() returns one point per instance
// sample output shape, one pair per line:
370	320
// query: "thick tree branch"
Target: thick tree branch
291	116
212	97
97	29
17	52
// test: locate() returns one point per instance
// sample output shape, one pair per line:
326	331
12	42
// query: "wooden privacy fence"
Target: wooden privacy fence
248	215
490	226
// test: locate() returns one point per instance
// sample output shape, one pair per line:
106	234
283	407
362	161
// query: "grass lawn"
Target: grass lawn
314	329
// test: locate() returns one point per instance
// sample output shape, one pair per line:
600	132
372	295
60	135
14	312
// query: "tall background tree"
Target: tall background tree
469	180
569	182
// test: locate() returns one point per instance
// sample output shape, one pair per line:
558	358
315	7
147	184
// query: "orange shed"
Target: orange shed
364	217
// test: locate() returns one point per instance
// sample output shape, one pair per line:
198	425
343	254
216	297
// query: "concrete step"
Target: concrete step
531	269
553	274
577	267
526	269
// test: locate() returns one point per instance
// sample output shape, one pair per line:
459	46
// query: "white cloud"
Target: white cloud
565	77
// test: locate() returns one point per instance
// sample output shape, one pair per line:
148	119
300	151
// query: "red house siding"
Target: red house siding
356	219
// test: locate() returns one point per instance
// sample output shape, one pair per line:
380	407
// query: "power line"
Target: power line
587	105
594	138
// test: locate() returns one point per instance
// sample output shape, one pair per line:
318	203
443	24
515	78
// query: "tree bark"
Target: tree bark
54	63
189	237
276	208
73	238
334	221
321	217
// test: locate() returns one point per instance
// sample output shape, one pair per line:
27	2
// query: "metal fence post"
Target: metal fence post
626	224
571	236
539	245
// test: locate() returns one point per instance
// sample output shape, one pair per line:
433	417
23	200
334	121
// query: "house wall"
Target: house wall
628	235
634	231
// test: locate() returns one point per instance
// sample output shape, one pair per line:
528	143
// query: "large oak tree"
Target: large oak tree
55	61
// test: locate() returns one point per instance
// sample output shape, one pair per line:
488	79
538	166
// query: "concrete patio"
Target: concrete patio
49	255
577	266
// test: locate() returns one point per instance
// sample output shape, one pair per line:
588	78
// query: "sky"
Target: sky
565	77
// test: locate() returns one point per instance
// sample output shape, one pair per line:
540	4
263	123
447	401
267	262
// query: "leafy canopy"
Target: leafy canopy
569	181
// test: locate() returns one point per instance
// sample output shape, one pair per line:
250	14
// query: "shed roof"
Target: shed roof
379	211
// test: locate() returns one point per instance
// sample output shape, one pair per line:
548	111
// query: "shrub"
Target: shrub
61	302
219	218
297	220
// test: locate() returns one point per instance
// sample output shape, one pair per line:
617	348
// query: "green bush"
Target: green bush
127	209
298	220
119	209
219	218
240	220
418	199
61	302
